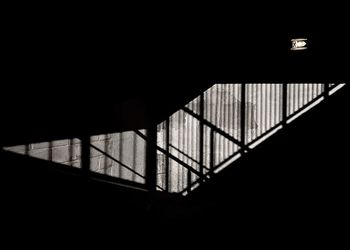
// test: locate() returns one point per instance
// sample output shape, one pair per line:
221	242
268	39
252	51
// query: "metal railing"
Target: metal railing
199	140
222	124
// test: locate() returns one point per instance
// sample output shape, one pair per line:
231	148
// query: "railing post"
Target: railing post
212	156
201	135
151	158
284	103
243	100
189	180
85	154
167	139
326	89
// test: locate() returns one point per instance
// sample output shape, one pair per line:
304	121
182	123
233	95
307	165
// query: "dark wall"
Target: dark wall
63	207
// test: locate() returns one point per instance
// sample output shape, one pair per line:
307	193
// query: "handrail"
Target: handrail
205	153
171	156
119	162
216	129
288	107
122	164
187	156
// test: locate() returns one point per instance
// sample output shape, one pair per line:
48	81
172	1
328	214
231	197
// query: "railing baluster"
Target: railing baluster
227	151
221	121
326	89
85	154
236	114
284	102
243	93
230	121
151	159
266	106
212	156
275	120
260	109
269	107
252	104
167	139
201	133
305	94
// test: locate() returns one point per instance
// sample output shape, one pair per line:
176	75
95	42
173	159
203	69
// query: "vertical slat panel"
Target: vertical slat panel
289	99
223	120
253	129
167	169
243	111
260	120
268	106
188	149
221	116
275	100
170	174
227	117
197	143
212	153
236	114
297	99
247	115
265	107
301	94
230	115
305	94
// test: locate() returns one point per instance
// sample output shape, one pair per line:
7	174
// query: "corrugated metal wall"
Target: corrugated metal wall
207	133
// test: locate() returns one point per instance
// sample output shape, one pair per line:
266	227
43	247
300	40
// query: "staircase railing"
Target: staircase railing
225	122
196	142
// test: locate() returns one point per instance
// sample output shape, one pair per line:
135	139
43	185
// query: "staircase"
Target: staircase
289	174
289	188
225	123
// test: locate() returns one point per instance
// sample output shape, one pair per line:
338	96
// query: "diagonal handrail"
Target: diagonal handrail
187	156
185	165
119	162
327	89
216	129
122	164
245	147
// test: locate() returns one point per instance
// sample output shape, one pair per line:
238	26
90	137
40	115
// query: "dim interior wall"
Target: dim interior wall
67	152
122	156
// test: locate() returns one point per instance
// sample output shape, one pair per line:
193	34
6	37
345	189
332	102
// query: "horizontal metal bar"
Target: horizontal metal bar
184	154
171	156
116	181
